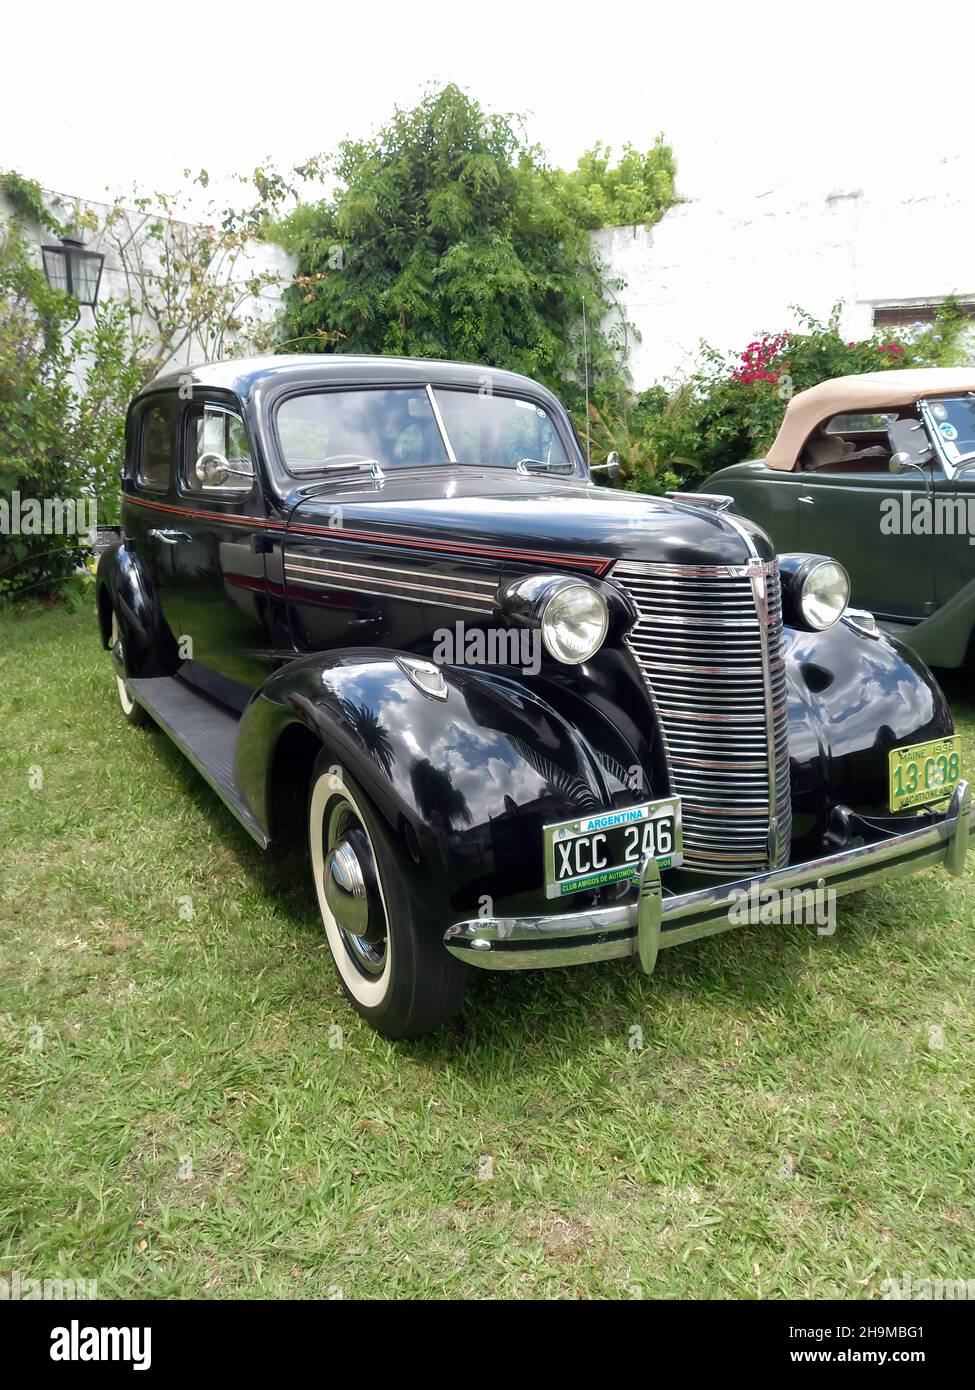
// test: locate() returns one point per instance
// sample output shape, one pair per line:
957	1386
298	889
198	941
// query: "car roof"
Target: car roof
871	391
241	374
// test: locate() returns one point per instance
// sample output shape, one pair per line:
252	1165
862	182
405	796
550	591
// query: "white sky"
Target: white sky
823	96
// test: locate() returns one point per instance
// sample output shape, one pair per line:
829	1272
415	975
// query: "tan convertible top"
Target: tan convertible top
858	394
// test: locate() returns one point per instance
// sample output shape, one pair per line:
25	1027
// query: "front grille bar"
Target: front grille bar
708	643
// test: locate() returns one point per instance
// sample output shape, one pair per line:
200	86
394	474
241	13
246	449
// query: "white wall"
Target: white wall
256	259
724	273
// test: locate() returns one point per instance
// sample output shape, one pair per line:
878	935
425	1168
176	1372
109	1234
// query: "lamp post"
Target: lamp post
71	268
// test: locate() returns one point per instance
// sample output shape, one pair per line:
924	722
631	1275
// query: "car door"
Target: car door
218	584
150	492
862	518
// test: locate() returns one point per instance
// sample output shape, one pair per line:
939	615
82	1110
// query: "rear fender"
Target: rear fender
124	586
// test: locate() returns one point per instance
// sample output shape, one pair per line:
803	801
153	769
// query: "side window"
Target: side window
218	459
850	444
157	447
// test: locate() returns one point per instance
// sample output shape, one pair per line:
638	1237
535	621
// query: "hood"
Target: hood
489	511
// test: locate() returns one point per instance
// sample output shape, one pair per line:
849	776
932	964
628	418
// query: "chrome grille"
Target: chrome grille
709	645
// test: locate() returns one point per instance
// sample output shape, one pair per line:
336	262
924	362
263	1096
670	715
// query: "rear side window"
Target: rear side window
158	447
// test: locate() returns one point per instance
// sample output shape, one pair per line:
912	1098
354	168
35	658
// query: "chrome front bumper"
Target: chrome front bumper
653	922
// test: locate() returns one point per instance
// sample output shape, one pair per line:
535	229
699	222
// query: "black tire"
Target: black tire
402	980
130	708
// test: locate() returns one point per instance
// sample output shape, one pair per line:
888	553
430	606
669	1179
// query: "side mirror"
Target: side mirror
909	446
212	470
611	466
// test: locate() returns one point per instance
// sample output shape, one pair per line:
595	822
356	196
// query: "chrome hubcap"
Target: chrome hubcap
352	890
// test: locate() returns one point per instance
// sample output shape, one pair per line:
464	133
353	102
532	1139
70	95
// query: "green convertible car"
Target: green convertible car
878	471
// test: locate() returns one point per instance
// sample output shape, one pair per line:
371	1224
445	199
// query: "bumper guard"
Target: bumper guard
653	922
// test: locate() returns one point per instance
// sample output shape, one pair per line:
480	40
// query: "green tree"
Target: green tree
447	236
638	188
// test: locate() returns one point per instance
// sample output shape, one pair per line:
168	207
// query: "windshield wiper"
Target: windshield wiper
372	466
530	466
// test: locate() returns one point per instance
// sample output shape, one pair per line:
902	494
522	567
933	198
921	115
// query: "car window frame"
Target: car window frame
220	494
284	478
345	387
167	401
949	468
552	415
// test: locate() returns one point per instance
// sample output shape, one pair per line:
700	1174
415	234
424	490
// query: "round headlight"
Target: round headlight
824	595
574	623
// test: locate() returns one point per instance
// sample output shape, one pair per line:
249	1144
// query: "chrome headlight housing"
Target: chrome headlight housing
815	591
575	620
573	616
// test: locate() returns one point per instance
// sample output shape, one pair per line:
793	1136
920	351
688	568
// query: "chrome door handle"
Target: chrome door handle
808	500
170	537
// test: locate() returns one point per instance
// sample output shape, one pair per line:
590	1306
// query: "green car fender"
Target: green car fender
944	638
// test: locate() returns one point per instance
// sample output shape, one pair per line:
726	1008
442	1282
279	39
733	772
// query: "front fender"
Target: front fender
123	585
945	637
852	698
462	786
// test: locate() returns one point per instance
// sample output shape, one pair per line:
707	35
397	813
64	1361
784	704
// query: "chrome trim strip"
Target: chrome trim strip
435	407
610	933
382	593
700	571
780	819
292	566
293	557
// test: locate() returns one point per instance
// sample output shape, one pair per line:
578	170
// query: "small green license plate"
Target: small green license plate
924	772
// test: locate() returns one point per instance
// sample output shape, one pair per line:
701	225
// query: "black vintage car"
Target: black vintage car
527	720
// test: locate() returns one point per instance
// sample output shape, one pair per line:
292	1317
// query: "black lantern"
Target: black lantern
71	268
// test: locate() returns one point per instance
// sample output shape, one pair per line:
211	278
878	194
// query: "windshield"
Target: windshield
398	427
954	419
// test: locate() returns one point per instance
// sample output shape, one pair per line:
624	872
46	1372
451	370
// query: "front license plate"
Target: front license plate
924	772
611	846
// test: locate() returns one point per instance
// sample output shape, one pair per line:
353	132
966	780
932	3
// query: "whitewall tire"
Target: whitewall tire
388	951
132	710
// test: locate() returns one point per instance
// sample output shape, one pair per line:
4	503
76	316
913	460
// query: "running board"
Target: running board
206	733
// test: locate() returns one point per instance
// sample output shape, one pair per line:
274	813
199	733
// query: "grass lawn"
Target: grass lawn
189	1107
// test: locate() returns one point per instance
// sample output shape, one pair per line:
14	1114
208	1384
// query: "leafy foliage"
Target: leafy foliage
190	281
729	411
639	188
26	198
59	438
448	237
